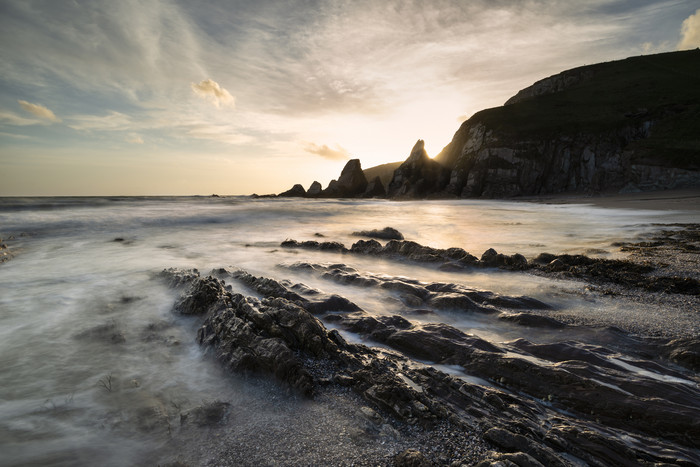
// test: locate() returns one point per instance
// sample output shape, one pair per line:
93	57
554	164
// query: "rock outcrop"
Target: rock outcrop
418	176
352	182
375	189
533	403
297	191
314	190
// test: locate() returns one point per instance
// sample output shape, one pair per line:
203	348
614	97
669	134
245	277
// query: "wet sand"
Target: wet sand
684	199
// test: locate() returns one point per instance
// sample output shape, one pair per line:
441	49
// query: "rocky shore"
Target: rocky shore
420	391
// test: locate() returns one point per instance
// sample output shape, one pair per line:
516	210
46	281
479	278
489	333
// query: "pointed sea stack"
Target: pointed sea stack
314	190
418	176
352	182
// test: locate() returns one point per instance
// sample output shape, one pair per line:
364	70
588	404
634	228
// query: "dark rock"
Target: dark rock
297	191
375	189
418	176
314	190
527	319
387	233
411	458
597	409
352	182
209	414
202	297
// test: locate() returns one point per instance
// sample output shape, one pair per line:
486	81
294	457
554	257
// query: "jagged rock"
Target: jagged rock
418	176
297	191
375	189
605	414
352	182
314	190
387	233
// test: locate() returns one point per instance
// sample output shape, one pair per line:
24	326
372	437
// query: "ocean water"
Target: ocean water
90	349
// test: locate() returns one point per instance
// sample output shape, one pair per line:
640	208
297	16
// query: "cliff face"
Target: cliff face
621	126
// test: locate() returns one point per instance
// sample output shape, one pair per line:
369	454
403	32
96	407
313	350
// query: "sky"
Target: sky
238	97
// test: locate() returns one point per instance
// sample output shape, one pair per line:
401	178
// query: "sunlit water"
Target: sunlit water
88	339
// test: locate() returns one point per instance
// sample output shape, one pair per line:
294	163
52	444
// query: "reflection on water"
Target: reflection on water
96	368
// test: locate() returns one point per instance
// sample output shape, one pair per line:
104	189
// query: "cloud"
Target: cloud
111	121
39	110
211	91
134	139
690	32
227	134
13	119
338	154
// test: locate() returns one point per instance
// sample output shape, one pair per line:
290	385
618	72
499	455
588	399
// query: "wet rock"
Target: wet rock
201	297
518	443
685	352
387	233
208	414
538	401
314	245
255	336
491	258
109	332
518	459
528	319
366	247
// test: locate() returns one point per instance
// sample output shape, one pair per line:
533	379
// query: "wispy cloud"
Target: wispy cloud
223	133
10	118
690	32
111	121
134	139
39	110
211	90
337	154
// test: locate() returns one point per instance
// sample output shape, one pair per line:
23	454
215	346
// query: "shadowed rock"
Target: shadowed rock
598	407
297	191
375	189
314	190
387	233
418	176
352	182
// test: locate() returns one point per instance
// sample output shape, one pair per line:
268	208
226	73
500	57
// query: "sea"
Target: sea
90	346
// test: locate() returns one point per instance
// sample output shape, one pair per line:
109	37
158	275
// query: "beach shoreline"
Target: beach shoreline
686	199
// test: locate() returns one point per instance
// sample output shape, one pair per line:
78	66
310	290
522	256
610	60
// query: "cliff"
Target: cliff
628	125
622	126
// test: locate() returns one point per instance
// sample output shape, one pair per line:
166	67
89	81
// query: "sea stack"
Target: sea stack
352	182
418	176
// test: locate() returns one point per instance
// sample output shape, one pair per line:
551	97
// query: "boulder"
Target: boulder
387	233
